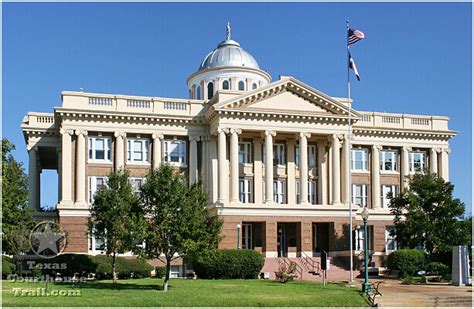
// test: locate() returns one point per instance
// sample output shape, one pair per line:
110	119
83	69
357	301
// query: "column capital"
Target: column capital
120	133
81	132
269	132
66	131
407	148
194	137
33	147
157	136
304	134
225	130
377	147
446	150
338	137
237	131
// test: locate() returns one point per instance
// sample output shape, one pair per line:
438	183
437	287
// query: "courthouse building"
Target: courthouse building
273	156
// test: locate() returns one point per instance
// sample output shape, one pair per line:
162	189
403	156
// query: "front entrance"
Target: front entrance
252	236
288	239
320	237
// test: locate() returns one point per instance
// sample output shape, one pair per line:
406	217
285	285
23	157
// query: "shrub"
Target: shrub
285	274
126	267
160	272
407	261
71	264
438	269
8	267
228	264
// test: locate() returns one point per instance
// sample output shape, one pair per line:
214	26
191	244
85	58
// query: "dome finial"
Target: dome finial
227	32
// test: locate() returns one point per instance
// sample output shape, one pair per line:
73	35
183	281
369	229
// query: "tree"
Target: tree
116	216
16	215
427	215
178	222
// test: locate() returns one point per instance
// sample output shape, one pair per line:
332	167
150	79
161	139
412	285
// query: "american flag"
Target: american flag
354	36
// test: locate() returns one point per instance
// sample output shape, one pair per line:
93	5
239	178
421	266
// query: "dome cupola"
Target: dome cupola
228	67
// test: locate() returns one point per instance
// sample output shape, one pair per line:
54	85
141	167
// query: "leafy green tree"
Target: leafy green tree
116	217
178	221
427	215
16	215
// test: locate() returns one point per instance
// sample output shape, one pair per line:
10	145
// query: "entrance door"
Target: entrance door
320	237
247	236
281	241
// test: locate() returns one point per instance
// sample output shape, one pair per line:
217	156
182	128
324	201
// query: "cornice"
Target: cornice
403	133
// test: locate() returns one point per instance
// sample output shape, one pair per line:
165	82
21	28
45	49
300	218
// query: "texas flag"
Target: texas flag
352	65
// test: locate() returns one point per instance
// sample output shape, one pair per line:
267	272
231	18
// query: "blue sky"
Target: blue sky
416	58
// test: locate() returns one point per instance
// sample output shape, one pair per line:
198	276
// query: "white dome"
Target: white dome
228	54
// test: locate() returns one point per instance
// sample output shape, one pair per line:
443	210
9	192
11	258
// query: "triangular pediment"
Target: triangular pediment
287	95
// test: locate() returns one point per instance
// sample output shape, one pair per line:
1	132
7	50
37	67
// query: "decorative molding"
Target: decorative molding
233	130
304	134
270	132
377	147
225	130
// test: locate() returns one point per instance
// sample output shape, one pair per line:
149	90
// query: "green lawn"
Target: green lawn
187	293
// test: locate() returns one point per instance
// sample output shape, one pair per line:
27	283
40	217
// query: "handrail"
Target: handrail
307	260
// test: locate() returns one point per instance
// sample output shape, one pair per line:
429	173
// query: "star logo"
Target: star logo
47	240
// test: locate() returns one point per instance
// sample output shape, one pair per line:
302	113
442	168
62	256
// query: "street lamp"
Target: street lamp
238	236
365	216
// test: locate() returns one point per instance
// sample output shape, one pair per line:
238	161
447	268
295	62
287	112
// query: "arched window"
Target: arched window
226	85
210	90
241	85
254	86
198	92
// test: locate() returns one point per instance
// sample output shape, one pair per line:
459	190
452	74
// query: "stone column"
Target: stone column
405	165
269	166
58	152
214	167
157	153
347	170
336	170
322	174
193	159
304	167
291	172
119	150
81	167
234	164
33	184
66	166
445	163
223	176
434	161
257	172
376	176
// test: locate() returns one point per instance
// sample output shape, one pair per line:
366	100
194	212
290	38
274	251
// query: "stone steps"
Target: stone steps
423	301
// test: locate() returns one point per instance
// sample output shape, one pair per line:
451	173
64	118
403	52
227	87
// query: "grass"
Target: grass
186	293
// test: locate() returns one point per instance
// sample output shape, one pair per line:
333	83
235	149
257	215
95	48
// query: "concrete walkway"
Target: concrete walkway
396	294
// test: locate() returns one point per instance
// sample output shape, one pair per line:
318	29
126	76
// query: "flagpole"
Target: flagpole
348	161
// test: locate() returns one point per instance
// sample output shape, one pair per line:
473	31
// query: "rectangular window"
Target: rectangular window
136	183
279	154
175	152
312	185
417	162
95	243
359	238
359	195
312	155
247	236
390	241
245	191
137	150
99	148
278	191
386	191
359	160
245	152
94	184
388	161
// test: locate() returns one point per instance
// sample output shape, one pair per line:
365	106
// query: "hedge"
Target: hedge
8	267
100	265
438	269
407	261
228	264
